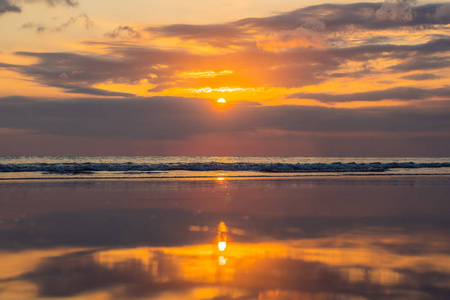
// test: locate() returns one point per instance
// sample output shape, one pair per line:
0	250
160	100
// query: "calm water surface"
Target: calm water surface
382	237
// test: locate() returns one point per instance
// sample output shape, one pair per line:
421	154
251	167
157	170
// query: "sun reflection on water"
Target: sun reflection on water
222	234
222	246
349	265
222	260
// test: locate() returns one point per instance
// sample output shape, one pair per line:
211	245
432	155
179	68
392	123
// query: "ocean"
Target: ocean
122	167
224	228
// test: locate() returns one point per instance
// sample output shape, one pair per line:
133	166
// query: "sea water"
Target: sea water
85	167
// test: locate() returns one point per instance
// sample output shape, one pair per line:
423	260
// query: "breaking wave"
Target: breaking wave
336	167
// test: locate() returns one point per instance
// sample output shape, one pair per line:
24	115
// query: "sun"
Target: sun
221	100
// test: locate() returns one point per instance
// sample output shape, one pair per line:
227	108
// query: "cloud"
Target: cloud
443	11
371	16
424	51
131	65
83	19
252	68
312	25
397	10
123	32
299	37
421	76
421	63
71	3
66	2
7	6
219	35
38	27
76	73
169	118
93	91
304	47
397	93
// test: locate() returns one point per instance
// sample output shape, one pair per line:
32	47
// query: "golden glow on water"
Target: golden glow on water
222	235
222	246
13	263
275	270
222	260
356	262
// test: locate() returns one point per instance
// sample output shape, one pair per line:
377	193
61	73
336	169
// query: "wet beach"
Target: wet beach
366	237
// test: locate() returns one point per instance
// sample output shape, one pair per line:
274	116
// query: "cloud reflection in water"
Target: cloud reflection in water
291	269
369	238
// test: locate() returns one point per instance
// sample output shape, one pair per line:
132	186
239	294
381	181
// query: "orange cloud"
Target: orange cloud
297	38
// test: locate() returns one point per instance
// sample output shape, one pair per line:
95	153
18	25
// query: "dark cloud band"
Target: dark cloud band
169	118
398	93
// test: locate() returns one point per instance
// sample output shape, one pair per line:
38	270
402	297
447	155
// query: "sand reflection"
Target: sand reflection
351	266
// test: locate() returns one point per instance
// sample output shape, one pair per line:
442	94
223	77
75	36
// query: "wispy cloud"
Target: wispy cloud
83	19
66	2
124	33
219	35
15	6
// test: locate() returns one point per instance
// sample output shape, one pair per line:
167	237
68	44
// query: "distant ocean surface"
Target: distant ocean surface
94	167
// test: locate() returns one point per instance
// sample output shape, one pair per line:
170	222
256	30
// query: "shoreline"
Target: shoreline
221	177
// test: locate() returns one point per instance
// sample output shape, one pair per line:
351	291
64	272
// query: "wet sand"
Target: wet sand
368	237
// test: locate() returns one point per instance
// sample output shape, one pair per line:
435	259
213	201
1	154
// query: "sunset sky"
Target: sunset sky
301	78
